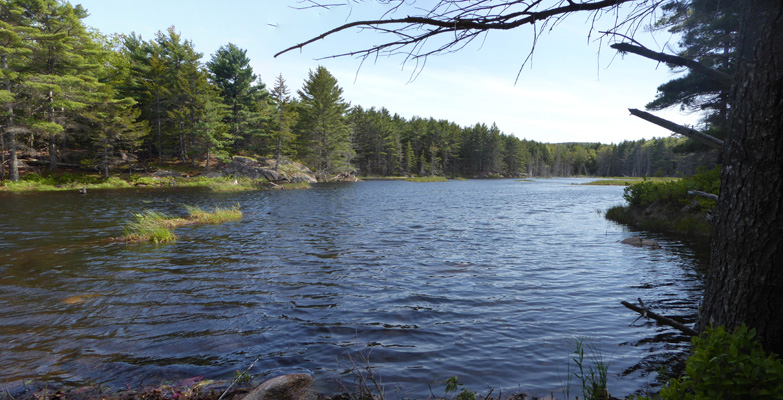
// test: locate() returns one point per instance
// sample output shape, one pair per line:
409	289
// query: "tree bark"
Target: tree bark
745	280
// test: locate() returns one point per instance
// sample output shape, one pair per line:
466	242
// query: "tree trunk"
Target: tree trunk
745	280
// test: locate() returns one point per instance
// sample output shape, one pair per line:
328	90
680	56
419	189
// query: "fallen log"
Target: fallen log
645	312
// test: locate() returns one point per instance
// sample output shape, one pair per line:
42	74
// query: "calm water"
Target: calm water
489	280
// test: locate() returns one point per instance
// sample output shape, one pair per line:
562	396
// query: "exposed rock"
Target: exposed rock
345	177
286	387
162	173
639	242
263	168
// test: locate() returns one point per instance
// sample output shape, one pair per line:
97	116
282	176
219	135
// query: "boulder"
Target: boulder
286	387
263	168
639	242
162	173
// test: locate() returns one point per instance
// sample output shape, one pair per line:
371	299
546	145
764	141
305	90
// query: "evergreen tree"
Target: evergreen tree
247	98
285	115
60	69
13	49
325	139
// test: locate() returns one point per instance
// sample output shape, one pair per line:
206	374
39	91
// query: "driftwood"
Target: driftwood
705	195
661	319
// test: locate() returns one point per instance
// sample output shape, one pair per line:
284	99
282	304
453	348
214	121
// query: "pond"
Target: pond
492	281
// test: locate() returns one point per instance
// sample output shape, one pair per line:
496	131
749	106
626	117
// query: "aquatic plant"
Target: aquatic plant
592	375
220	215
426	179
150	226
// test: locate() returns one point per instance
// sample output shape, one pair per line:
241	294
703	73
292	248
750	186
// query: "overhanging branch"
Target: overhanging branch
695	66
467	20
708	140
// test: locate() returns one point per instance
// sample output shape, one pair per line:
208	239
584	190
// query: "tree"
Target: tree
322	128
232	74
13	48
60	69
708	31
745	278
285	114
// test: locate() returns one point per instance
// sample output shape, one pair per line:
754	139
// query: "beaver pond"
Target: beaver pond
491	281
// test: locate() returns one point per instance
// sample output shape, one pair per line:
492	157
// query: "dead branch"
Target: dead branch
708	140
705	195
723	78
645	312
469	20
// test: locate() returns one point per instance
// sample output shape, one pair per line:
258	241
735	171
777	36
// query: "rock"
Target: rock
286	387
162	173
639	242
264	169
345	177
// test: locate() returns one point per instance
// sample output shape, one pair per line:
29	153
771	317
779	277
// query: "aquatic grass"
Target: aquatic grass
626	181
292	186
427	179
220	215
152	226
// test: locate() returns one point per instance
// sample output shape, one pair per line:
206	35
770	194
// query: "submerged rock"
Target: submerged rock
286	387
639	242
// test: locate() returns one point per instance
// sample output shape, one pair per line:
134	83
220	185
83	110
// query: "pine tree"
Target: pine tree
13	48
324	134
285	115
247	98
60	69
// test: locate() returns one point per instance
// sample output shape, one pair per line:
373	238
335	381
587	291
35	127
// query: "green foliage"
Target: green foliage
728	366
324	136
592	375
242	377
149	226
647	192
452	386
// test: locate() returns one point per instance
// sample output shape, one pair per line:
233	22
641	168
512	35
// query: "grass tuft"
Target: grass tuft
427	179
152	226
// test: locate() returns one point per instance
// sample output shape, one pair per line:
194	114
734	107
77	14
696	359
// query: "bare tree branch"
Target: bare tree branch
471	18
708	140
723	78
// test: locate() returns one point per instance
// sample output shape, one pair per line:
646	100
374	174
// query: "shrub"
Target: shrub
728	366
644	193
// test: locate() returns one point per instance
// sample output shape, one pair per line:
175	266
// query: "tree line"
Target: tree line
84	98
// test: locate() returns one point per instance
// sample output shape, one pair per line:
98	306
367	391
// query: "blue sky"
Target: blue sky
574	89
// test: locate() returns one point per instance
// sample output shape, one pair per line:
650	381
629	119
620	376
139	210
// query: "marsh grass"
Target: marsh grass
152	226
219	216
627	181
292	186
427	179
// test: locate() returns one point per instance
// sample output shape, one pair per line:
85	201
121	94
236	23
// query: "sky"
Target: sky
574	90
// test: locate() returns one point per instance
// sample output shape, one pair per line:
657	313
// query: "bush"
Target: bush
728	366
647	192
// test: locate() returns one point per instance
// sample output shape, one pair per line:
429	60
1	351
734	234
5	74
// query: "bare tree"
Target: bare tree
745	281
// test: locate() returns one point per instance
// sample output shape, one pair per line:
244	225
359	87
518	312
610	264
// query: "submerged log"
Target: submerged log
645	312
